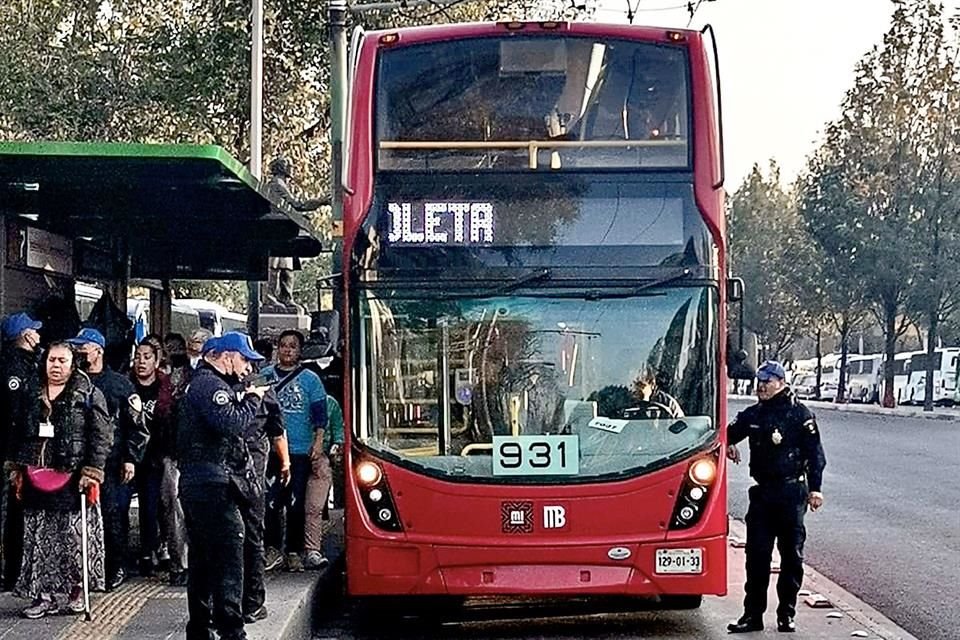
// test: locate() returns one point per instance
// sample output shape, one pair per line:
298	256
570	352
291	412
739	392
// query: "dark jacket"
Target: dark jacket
212	422
784	440
20	390
82	432
158	416
126	411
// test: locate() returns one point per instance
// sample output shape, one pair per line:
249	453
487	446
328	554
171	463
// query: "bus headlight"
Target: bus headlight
703	471
369	473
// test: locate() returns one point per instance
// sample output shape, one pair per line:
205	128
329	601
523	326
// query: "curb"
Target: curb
842	600
948	416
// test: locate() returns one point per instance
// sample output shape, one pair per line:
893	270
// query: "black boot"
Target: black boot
786	624
746	624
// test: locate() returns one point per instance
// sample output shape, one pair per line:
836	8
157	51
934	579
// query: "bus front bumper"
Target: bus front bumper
376	567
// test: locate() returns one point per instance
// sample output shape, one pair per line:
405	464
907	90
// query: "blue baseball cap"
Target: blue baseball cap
14	325
769	370
235	341
88	335
210	344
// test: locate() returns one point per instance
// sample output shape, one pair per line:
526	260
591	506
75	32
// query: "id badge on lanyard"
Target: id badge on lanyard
46	429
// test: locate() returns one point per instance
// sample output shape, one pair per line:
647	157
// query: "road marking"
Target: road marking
112	612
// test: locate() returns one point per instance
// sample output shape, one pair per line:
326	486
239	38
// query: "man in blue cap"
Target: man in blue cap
787	462
130	438
217	481
20	380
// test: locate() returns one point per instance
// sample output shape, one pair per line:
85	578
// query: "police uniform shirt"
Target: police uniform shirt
19	406
214	419
784	440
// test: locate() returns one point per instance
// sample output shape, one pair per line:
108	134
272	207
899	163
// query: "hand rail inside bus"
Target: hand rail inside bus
708	30
533	146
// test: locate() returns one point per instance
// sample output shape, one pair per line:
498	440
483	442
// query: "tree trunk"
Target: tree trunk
844	350
890	347
819	363
931	350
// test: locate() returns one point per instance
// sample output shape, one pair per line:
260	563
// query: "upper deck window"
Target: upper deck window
545	103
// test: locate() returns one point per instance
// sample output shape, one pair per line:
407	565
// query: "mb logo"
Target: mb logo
554	517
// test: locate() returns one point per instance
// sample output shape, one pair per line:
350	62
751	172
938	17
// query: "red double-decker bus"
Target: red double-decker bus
535	255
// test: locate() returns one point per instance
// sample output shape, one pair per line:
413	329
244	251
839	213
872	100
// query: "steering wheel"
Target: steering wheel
647	409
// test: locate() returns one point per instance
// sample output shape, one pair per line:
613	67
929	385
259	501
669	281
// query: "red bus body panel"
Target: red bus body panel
453	540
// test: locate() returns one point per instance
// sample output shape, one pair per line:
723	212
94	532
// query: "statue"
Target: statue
280	281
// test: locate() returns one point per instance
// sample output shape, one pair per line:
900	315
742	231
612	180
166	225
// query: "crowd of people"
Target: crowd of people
227	452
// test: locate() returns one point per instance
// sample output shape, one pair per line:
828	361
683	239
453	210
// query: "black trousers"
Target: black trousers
115	503
12	531
775	515
290	499
215	556
253	512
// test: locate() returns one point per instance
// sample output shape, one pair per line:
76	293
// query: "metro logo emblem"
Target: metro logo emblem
554	517
517	517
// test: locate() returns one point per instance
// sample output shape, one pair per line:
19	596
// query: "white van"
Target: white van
901	374
863	378
214	317
944	376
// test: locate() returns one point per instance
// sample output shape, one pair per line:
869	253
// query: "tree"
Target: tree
178	72
766	240
936	295
859	192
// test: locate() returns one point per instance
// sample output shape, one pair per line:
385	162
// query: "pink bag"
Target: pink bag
47	480
44	479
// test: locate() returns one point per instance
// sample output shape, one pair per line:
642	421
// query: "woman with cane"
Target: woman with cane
57	460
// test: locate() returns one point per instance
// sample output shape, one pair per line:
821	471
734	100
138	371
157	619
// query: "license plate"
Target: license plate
679	561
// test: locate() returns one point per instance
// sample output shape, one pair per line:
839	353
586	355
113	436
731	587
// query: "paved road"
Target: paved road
890	529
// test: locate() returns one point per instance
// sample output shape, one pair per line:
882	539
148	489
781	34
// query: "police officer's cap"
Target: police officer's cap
14	325
769	370
235	341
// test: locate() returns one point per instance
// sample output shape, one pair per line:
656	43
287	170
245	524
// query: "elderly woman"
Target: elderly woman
57	459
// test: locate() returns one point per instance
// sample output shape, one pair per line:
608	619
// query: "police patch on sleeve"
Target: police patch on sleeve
811	425
221	398
136	403
13	383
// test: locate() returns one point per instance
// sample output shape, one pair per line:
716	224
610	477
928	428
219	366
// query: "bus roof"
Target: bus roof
184	210
437	32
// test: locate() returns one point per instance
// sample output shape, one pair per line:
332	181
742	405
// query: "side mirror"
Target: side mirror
740	366
734	289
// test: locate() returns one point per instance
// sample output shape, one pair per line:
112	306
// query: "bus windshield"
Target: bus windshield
631	382
533	102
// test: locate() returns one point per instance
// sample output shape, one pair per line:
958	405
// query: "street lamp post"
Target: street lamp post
256	142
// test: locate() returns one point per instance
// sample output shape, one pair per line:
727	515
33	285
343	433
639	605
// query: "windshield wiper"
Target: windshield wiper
516	283
596	294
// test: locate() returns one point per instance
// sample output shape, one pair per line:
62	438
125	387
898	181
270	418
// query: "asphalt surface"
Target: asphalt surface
889	531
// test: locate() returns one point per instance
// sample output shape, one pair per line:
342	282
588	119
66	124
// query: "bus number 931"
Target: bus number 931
536	455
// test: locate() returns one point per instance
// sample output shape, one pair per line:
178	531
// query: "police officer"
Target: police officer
266	430
20	380
130	436
217	481
786	461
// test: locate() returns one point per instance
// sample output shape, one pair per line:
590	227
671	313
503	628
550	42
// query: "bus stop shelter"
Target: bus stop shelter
115	212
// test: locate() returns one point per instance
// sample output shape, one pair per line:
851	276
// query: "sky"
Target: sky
785	67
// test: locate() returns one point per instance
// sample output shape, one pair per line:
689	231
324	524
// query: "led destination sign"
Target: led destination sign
440	223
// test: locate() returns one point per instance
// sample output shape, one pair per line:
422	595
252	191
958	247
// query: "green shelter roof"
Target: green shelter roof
184	211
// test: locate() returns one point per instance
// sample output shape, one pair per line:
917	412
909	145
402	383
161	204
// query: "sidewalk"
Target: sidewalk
149	609
845	615
938	413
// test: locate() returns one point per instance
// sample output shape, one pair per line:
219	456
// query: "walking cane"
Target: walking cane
88	616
